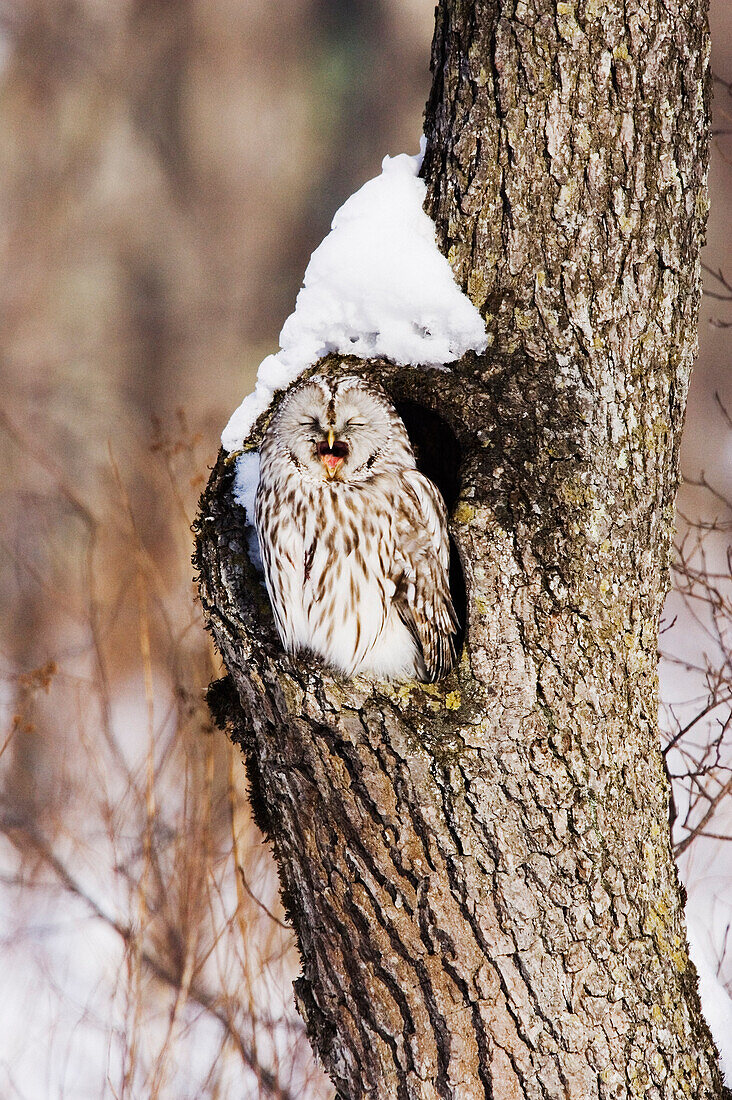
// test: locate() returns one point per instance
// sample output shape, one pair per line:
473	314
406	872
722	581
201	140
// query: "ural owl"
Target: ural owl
353	537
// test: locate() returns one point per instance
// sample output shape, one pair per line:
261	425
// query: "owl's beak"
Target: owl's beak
331	463
332	453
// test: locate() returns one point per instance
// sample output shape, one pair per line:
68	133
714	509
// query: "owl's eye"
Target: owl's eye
355	423
311	423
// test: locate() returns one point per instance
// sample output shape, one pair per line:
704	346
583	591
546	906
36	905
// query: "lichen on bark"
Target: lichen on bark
479	871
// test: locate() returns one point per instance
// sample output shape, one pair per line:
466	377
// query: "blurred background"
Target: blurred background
166	169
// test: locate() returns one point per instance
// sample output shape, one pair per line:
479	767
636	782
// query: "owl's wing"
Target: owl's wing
423	560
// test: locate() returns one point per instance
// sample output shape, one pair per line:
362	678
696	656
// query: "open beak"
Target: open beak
332	454
331	463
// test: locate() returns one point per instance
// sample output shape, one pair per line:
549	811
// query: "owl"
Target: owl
353	537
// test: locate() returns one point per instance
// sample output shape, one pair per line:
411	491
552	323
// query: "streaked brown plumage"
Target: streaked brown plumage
353	537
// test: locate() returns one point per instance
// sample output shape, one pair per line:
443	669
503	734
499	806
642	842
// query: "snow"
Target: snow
246	480
715	999
377	286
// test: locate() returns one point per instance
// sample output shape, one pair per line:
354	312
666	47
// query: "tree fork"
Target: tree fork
479	871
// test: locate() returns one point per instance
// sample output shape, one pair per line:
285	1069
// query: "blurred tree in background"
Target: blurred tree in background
166	170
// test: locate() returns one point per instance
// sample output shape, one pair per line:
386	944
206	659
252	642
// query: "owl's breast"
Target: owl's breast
348	588
329	569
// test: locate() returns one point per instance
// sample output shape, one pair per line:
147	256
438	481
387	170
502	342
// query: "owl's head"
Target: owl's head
340	430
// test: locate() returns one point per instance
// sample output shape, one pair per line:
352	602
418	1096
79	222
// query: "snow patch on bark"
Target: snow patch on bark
377	286
246	480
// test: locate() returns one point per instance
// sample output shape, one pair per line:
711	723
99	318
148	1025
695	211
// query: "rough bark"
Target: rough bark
479	871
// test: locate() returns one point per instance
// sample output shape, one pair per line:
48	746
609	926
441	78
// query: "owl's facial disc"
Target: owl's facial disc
339	432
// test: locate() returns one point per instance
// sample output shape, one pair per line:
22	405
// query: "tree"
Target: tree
479	872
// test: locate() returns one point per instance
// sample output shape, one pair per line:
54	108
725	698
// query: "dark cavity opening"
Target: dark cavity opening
437	453
436	448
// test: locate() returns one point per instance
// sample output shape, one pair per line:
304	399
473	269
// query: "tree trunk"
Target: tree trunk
479	872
